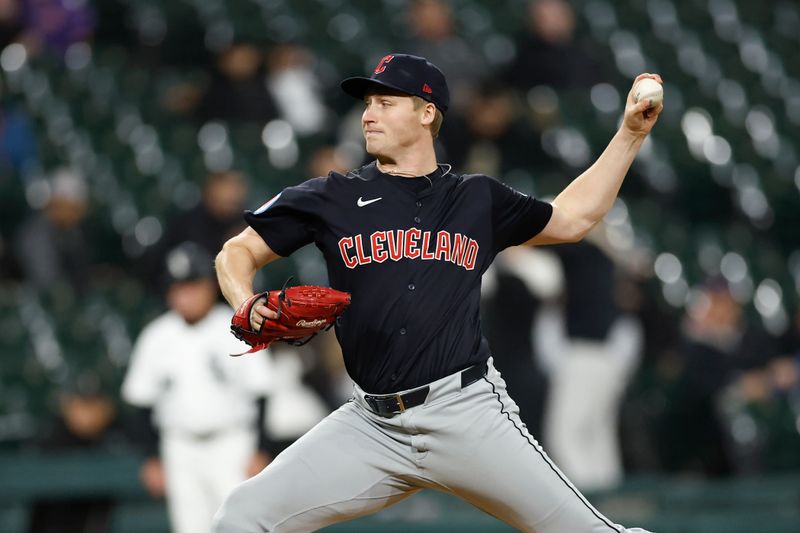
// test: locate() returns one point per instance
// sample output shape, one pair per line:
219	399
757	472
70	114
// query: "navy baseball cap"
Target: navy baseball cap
408	74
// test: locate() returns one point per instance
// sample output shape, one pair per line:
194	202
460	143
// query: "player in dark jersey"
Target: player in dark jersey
410	239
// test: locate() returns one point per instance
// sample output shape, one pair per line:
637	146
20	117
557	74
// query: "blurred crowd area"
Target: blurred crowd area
128	127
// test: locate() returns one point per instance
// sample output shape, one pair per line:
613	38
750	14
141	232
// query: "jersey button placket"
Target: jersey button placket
411	286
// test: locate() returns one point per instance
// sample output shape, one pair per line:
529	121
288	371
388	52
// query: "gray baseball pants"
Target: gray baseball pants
468	442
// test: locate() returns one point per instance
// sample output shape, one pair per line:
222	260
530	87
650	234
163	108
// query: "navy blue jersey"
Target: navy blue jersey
411	252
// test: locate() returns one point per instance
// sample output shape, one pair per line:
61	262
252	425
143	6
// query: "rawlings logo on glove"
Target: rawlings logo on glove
320	322
303	311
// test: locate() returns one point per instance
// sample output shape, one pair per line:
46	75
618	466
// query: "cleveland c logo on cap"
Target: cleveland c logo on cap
382	64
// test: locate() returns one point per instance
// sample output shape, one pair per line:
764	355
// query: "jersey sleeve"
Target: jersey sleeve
516	217
290	219
143	379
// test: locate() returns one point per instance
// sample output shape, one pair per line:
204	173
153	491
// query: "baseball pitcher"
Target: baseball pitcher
408	239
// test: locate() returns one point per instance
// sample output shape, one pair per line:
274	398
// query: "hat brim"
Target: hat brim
358	86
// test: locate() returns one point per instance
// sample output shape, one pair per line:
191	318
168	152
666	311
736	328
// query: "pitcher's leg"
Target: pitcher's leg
343	468
499	467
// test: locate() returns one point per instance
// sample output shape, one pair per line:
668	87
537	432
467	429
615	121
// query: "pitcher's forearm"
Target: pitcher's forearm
238	262
590	196
236	269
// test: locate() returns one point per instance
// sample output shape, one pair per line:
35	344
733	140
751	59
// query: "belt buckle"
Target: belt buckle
400	403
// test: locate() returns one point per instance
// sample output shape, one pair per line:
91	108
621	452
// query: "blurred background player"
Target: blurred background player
205	405
519	286
589	349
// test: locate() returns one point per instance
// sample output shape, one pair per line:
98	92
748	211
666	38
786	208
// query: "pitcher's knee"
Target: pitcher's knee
243	512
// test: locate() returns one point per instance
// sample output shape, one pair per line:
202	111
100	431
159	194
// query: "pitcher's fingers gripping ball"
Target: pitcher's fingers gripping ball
302	312
644	105
649	89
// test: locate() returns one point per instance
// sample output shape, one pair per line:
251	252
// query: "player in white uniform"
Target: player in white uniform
204	403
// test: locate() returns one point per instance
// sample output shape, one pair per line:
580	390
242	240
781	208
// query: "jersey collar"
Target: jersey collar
370	171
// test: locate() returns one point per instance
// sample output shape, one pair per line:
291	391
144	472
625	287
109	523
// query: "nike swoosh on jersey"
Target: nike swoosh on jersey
362	203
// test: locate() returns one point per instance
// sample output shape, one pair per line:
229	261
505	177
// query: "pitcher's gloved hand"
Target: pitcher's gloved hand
302	312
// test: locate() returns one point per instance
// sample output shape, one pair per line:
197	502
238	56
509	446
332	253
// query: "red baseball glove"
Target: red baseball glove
303	311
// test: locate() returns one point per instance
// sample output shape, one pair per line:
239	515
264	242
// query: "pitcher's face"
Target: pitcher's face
390	124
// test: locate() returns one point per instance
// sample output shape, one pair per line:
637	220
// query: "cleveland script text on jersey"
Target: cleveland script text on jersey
411	243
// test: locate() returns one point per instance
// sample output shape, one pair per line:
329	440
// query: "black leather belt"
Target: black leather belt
392	404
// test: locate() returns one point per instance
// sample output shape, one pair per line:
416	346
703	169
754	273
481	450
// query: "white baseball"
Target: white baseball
648	89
